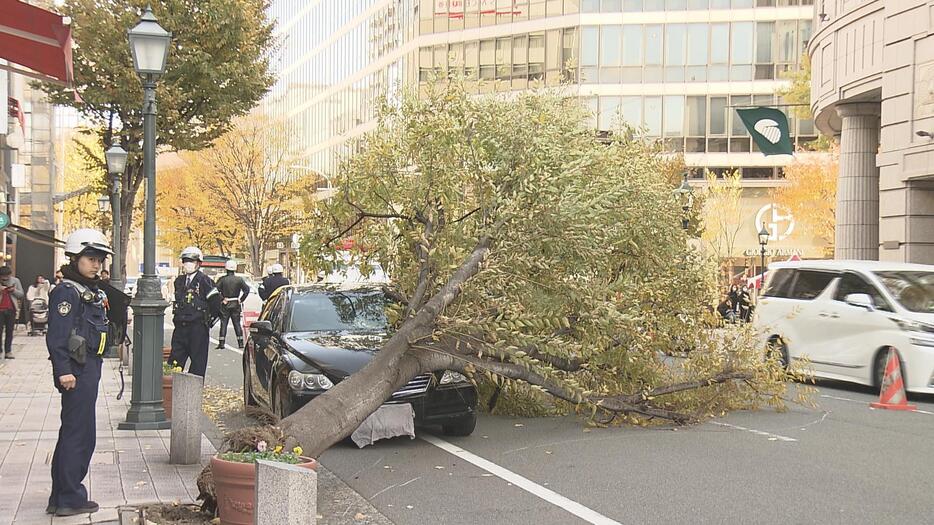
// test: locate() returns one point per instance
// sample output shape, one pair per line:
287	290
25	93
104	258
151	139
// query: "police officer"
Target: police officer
76	339
234	290
272	282
197	305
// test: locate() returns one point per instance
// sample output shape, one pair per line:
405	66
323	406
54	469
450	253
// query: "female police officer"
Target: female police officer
76	338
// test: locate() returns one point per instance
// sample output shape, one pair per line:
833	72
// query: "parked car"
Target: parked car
845	315
308	338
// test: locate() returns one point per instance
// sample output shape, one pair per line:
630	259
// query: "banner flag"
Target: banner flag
769	128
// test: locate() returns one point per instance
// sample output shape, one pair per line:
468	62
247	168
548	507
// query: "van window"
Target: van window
779	283
810	283
853	283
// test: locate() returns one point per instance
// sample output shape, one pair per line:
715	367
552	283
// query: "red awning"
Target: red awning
37	39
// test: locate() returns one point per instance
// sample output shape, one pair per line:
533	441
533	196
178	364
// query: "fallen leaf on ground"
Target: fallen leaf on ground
360	516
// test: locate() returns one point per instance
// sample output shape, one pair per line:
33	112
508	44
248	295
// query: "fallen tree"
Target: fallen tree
525	250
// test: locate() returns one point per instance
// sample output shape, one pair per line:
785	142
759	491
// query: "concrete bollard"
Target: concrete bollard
285	494
185	448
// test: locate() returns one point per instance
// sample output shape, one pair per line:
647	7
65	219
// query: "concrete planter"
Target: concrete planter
235	487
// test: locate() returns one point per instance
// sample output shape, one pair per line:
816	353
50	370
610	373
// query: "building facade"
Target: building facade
872	87
676	68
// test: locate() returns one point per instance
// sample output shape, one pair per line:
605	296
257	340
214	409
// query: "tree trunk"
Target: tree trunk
345	406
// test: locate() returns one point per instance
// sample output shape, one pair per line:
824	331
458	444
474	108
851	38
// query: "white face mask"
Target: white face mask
190	267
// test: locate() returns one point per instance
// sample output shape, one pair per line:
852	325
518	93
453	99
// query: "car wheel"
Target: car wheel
878	368
282	400
779	350
462	426
248	400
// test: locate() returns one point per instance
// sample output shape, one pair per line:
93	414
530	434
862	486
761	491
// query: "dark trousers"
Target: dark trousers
231	315
7	321
76	438
190	341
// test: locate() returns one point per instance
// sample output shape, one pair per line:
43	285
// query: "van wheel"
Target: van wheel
779	350
878	368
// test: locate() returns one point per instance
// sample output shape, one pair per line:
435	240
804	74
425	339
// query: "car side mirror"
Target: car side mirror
261	327
860	300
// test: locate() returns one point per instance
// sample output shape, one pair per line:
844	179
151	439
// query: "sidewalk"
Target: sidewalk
127	468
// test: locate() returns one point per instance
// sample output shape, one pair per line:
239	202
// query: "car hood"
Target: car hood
337	354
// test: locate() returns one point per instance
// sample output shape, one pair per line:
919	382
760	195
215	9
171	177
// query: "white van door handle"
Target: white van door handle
831	315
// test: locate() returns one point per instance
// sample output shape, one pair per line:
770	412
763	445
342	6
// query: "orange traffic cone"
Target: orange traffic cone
893	395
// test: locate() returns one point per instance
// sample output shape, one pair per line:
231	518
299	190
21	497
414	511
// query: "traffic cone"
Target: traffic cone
892	395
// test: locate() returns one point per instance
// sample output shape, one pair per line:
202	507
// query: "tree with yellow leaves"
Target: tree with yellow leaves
82	158
721	215
188	214
811	194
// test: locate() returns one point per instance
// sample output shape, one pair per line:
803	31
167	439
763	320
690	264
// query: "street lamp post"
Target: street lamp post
763	241
685	193
149	44
116	165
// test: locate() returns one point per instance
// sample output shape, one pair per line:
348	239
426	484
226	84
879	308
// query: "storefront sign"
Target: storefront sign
777	220
774	252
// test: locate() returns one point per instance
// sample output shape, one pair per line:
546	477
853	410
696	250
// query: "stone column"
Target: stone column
857	232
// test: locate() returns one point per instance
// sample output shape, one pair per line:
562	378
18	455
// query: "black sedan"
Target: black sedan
309	337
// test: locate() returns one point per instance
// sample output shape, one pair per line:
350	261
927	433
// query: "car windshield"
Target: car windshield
338	311
913	290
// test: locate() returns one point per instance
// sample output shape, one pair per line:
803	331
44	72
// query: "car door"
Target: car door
852	331
260	351
810	294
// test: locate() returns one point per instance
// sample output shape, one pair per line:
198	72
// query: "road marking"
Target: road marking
228	347
843	399
758	432
575	508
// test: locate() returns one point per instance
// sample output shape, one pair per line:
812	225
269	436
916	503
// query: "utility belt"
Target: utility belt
233	303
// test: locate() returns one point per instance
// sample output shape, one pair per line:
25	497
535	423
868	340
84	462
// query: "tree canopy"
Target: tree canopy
217	69
524	250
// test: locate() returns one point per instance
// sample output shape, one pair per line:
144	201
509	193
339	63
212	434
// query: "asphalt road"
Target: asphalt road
839	463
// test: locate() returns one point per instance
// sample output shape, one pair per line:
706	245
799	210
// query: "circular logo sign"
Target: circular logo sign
777	220
4	220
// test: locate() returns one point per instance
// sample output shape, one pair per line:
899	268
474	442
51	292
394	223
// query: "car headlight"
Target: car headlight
300	381
450	377
910	325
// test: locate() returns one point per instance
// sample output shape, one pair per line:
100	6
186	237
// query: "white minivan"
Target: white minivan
845	315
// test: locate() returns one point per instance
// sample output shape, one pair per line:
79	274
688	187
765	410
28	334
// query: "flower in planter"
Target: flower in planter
169	369
263	452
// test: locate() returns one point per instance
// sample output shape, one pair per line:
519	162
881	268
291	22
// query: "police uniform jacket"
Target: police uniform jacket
80	309
197	300
232	286
271	284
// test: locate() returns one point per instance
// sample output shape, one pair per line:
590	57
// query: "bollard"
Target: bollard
185	448
285	494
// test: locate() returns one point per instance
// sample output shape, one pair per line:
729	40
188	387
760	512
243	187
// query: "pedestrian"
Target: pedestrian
234	290
12	292
745	304
105	276
37	291
76	340
197	306
272	282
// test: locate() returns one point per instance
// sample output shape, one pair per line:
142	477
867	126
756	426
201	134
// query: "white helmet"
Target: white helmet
191	252
230	265
87	239
276	268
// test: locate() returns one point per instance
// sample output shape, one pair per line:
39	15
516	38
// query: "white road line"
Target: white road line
228	347
845	399
575	508
758	432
